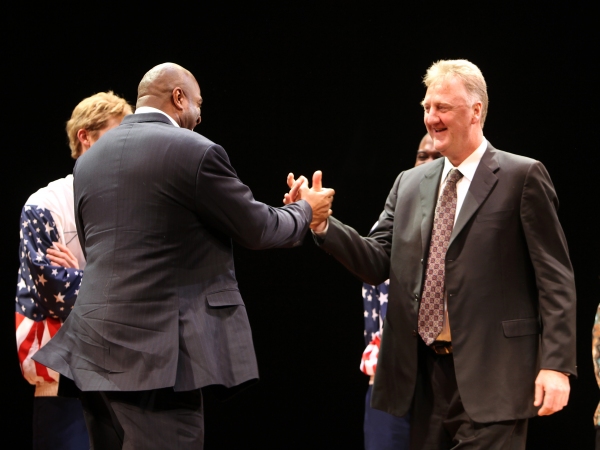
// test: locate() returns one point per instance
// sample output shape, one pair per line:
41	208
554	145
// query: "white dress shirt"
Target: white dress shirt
150	109
467	168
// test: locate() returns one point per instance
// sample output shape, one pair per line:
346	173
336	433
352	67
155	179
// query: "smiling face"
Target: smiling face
452	119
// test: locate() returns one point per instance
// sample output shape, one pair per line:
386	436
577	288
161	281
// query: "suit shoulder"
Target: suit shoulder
162	130
196	138
513	158
188	137
419	172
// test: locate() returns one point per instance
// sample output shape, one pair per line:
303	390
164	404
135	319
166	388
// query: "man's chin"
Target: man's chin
439	146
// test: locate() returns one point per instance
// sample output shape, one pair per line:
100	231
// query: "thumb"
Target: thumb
539	395
317	183
290	180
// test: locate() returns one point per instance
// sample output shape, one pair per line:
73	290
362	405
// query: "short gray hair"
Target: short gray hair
470	75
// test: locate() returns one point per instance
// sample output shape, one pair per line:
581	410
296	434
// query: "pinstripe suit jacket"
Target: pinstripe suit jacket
156	209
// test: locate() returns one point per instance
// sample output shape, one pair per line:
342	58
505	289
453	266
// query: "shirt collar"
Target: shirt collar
150	109
469	165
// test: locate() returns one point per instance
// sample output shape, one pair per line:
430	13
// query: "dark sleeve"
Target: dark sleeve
554	275
78	222
227	204
366	257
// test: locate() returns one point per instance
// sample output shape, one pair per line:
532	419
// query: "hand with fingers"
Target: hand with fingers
551	391
318	197
60	255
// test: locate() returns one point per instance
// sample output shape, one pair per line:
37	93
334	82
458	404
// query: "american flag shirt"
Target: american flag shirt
45	293
375	300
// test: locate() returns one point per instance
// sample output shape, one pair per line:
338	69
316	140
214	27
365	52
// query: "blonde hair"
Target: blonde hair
470	75
92	114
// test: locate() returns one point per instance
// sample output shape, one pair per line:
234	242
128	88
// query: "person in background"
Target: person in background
384	431
596	359
50	271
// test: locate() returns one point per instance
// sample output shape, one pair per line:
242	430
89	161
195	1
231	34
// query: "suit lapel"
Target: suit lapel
481	186
429	189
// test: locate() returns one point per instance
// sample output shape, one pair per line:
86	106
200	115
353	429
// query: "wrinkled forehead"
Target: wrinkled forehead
447	88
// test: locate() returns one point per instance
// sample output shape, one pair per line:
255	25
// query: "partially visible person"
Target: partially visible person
596	359
50	272
426	153
384	431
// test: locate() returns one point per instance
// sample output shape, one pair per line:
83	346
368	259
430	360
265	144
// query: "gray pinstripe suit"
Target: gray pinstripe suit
156	209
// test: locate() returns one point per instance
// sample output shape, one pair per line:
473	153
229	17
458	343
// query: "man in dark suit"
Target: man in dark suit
480	328
159	314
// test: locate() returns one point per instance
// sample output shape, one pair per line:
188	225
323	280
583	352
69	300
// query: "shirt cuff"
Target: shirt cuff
323	233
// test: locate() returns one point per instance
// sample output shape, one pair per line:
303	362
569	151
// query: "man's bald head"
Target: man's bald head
174	90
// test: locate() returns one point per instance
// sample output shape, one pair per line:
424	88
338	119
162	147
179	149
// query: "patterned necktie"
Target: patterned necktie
431	312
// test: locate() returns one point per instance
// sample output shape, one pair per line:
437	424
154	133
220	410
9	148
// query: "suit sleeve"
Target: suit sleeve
78	221
366	257
228	205
553	271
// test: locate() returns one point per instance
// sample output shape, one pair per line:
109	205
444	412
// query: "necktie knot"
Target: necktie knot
454	176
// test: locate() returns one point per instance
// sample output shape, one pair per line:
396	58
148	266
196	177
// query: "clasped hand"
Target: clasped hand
60	255
318	197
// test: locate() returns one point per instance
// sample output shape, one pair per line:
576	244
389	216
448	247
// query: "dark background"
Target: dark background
297	87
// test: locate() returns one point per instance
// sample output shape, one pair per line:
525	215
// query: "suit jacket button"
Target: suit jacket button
414	333
416	297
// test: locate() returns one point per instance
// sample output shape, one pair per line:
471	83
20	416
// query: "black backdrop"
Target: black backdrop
297	87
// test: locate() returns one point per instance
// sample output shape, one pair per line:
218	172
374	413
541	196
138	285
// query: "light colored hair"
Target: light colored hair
470	75
92	114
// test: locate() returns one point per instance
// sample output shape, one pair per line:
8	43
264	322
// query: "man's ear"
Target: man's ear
477	107
178	96
84	137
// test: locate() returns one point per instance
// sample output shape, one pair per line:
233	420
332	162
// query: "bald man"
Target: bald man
159	314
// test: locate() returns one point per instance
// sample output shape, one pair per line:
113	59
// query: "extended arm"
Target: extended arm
228	205
366	257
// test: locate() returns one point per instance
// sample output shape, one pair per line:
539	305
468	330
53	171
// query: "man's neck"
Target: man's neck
457	160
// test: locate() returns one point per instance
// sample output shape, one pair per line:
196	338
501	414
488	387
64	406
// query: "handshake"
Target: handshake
319	198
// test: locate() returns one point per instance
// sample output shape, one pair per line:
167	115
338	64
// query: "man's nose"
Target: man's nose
431	117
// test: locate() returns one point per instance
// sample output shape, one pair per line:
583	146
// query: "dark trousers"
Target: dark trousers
156	419
58	424
439	420
384	431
